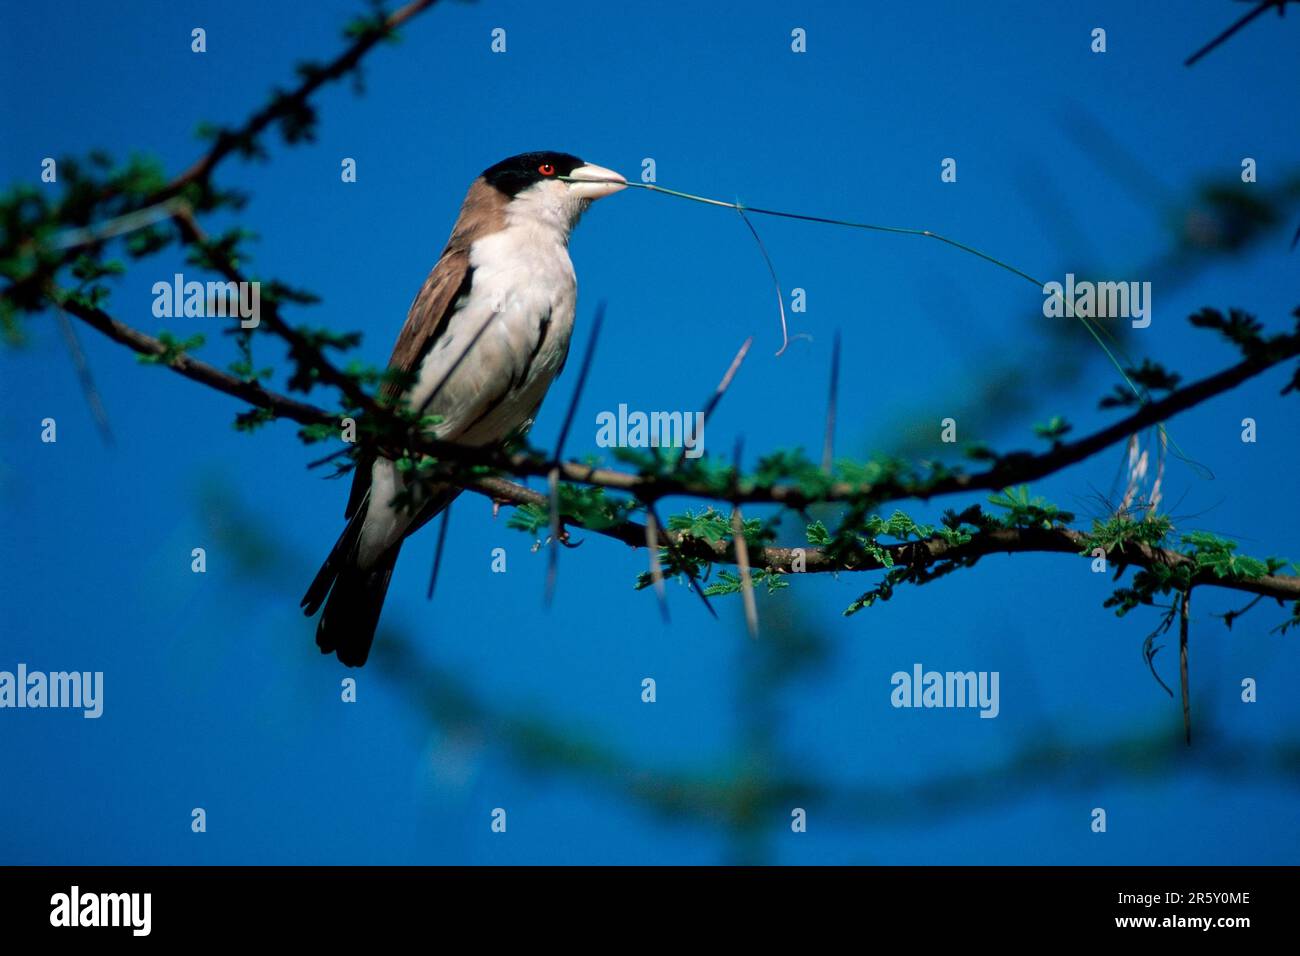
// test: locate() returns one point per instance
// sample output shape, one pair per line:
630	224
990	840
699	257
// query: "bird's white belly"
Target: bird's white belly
491	368
500	352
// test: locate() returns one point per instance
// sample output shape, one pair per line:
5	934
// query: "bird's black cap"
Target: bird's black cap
517	173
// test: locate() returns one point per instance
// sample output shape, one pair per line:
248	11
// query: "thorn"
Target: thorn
681	562
828	443
557	529
656	569
746	578
437	552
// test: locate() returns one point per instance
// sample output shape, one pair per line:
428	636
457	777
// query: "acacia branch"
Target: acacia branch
775	559
1018	468
197	371
162	203
228	141
1011	470
911	553
192	234
1264	7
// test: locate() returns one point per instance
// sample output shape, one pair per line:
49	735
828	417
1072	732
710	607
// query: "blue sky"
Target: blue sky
215	694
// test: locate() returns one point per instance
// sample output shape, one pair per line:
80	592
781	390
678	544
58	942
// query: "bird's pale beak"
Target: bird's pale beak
592	182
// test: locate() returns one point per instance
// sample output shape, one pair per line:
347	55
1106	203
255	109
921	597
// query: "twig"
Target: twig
192	233
228	141
1226	34
166	200
282	406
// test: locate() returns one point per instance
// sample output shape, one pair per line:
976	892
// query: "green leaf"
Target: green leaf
817	534
1054	430
173	349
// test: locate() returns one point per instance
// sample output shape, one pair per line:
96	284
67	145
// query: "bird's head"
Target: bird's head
555	188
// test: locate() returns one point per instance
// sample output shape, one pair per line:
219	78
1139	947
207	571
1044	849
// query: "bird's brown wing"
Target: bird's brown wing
425	323
482	213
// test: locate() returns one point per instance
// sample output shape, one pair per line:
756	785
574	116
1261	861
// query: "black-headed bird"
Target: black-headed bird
485	337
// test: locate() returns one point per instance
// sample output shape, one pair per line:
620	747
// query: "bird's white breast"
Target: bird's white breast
490	369
515	322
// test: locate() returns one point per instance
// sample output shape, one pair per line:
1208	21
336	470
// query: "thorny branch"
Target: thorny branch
1263	7
396	433
1012	469
775	559
290	104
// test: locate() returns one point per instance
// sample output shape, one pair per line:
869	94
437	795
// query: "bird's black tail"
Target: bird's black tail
355	598
347	626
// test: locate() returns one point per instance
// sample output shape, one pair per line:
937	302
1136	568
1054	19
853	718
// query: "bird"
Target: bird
486	335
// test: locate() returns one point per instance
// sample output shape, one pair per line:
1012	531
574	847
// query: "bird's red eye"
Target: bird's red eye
546	169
